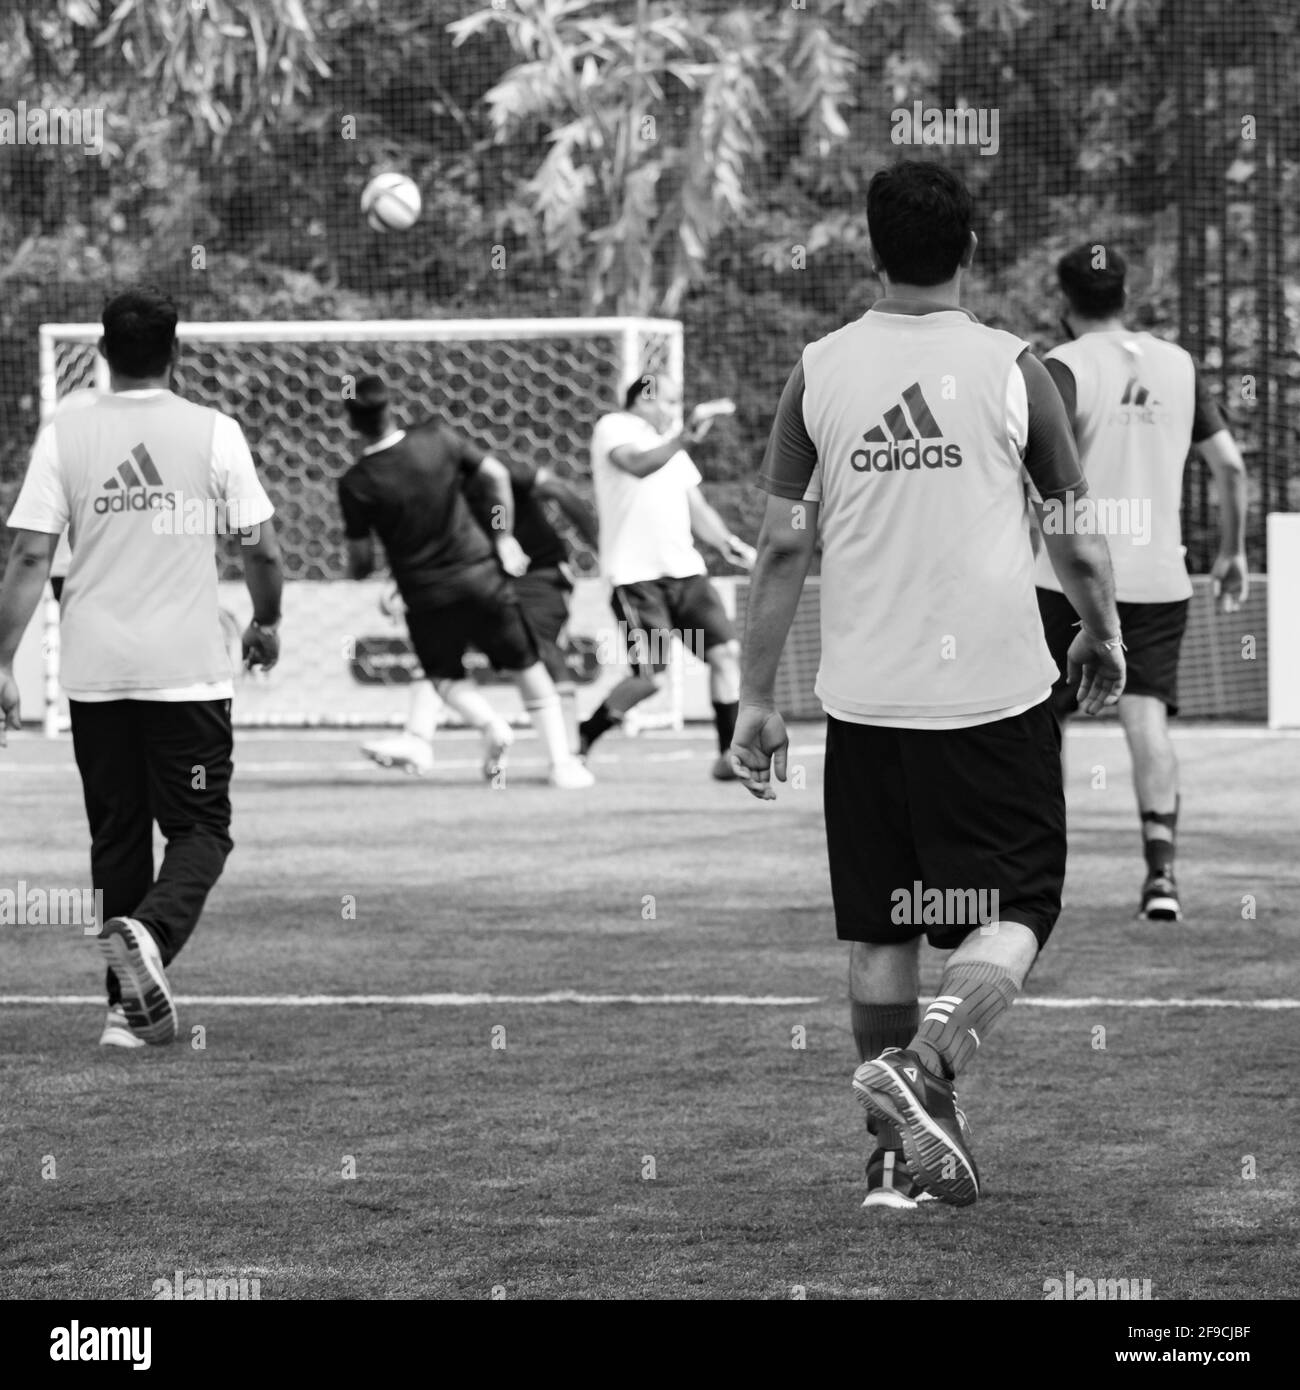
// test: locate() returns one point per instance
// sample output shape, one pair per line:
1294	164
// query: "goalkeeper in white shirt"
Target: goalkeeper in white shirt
651	511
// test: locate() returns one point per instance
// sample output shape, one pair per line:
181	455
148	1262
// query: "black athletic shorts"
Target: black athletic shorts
659	609
924	827
489	618
1153	640
544	598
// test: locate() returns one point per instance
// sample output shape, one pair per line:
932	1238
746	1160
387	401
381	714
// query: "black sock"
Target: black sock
724	716
876	1027
599	721
1159	852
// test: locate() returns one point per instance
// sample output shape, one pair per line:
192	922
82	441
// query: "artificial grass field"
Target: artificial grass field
616	1150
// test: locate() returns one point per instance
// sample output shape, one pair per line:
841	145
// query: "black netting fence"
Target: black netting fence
703	161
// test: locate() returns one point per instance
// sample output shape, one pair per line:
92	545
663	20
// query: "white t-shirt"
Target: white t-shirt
44	504
645	523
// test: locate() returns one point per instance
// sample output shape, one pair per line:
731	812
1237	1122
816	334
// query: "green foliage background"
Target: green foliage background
708	160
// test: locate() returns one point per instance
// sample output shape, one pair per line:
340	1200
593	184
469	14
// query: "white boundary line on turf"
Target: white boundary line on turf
455	1001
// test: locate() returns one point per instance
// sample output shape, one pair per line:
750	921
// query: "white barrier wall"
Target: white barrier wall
314	683
1283	538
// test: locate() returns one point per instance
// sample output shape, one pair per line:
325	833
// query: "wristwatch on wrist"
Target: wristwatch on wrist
266	627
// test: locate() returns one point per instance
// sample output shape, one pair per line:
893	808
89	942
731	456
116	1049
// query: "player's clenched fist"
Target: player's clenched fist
261	647
758	748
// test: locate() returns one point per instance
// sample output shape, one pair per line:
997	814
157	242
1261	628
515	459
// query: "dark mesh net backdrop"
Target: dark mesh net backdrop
705	163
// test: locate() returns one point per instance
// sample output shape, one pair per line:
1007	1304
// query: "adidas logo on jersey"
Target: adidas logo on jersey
127	490
898	442
1137	406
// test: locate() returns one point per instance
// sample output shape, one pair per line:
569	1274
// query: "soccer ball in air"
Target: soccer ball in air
391	202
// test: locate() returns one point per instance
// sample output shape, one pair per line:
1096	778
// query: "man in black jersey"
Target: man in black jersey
408	487
543	591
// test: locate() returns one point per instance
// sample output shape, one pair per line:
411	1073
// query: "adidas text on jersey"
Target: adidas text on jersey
895	446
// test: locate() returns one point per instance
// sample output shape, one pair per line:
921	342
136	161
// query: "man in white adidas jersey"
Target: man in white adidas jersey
1137	405
650	510
131	476
906	434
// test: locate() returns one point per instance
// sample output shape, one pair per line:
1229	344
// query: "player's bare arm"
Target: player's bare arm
264	575
709	527
640	463
1229	574
546	484
490	481
20	592
786	544
1081	560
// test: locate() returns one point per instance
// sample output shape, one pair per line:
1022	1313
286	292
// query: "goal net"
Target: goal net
527	387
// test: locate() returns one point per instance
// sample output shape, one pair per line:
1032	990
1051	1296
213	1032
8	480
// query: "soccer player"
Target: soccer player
905	434
143	659
543	592
650	506
1137	405
408	488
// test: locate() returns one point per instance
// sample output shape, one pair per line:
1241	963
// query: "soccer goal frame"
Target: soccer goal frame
530	386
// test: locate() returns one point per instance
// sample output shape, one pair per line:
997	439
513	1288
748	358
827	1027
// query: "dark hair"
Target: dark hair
371	400
1094	291
919	216
642	389
139	332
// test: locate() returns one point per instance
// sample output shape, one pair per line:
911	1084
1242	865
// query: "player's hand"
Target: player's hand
261	647
392	605
512	557
758	748
10	712
1230	579
740	554
1098	670
695	430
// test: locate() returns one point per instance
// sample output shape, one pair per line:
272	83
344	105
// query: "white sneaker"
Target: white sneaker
117	1032
407	751
571	776
133	956
497	738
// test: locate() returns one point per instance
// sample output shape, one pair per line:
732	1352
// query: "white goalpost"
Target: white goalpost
528	387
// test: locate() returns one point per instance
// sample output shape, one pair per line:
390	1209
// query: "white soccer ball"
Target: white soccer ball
391	202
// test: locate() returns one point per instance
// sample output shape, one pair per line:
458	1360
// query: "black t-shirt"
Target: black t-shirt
409	494
540	541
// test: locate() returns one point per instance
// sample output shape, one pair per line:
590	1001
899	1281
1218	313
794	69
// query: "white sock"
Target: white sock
568	693
422	712
548	719
462	696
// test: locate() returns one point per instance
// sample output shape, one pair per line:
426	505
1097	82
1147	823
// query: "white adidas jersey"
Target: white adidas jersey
927	596
1136	399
